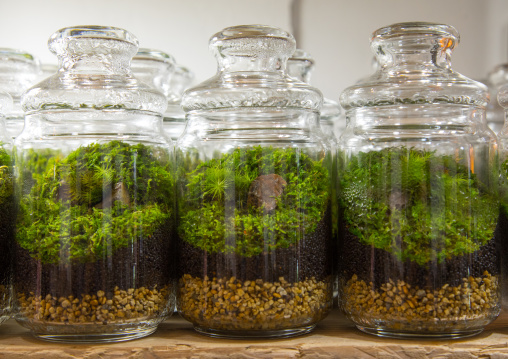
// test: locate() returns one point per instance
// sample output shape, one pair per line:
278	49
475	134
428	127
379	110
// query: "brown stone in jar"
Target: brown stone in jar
265	190
119	193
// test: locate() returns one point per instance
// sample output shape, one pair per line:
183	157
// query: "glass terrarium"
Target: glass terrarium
300	66
418	193
174	118
7	210
93	248
253	194
496	79
18	71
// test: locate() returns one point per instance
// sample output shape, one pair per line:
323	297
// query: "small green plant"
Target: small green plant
215	214
99	198
415	204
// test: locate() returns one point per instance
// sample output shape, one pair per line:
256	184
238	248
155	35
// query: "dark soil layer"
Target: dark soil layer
146	263
7	224
310	257
378	266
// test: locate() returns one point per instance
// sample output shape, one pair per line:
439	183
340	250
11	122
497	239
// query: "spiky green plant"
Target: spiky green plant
214	210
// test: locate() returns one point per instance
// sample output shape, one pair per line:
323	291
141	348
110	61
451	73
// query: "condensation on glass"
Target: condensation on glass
94	238
253	194
19	70
418	201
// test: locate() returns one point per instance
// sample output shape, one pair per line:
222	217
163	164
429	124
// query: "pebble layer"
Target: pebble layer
118	307
232	304
399	306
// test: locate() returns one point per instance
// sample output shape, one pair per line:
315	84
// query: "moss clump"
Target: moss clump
95	200
415	204
215	214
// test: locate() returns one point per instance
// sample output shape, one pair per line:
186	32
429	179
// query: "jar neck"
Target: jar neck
300	70
95	56
418	53
263	125
113	124
407	120
95	64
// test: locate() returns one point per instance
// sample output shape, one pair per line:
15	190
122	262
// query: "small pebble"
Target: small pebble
104	307
231	304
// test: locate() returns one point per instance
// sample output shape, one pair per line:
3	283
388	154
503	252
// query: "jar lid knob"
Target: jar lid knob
259	41
79	39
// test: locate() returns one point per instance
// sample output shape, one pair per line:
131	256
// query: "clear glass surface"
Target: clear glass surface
19	70
94	241
47	70
418	198
253	192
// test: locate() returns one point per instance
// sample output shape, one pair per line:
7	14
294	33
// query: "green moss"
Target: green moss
65	214
216	217
6	177
415	204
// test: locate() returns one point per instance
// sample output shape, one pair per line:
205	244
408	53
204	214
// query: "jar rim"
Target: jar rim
91	32
301	55
251	31
17	54
416	28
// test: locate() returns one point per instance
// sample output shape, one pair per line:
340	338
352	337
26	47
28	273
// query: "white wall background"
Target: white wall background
335	32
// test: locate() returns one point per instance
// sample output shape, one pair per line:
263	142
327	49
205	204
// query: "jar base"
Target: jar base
95	337
386	333
254	334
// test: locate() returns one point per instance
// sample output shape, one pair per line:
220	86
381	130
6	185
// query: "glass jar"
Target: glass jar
180	81
418	193
253	193
174	118
496	78
156	68
18	71
300	66
7	209
94	256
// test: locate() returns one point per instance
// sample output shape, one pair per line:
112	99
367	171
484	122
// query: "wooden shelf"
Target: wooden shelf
335	337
